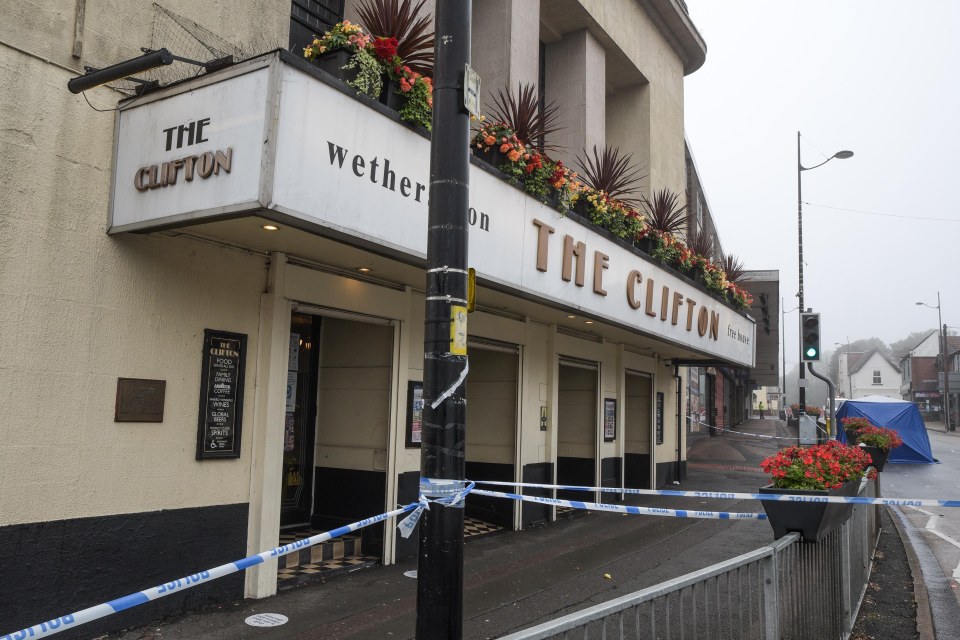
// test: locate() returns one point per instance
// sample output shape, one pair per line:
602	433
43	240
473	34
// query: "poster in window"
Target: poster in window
659	417
609	419
221	394
414	413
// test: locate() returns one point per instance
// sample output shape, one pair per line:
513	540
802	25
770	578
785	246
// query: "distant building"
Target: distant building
869	373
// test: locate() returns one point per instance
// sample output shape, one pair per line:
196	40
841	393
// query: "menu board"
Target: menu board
221	394
659	418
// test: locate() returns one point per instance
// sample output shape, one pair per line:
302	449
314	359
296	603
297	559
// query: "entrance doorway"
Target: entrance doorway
577	429
335	441
637	429
491	395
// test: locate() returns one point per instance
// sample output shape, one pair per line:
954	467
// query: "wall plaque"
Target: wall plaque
221	394
414	413
139	400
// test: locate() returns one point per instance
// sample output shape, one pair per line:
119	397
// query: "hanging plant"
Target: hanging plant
369	78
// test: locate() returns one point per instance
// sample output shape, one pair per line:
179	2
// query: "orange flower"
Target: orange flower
505	147
513	155
489	141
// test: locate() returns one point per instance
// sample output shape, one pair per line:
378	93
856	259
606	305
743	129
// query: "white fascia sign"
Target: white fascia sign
271	136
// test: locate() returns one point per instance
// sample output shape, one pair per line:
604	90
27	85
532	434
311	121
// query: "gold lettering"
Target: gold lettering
138	179
714	325
664	302
205	166
188	164
543	231
223	160
649	307
677	301
600	263
702	319
152	182
633	279
571	250
691	303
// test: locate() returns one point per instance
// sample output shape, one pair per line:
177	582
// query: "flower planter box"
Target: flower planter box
878	455
582	206
851	435
812	520
333	61
647	245
391	95
491	155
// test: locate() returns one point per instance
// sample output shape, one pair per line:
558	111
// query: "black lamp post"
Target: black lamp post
942	335
840	155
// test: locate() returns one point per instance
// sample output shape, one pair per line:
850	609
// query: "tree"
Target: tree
900	348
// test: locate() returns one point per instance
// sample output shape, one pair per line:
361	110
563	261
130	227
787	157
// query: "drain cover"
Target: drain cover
266	620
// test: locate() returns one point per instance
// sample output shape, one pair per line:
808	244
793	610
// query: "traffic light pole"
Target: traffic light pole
802	395
831	391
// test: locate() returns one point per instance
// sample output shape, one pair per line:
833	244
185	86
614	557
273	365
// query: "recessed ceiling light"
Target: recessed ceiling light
588	322
364	269
270	227
571	317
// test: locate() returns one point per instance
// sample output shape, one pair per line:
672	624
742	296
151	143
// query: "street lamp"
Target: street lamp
942	335
783	346
849	395
840	155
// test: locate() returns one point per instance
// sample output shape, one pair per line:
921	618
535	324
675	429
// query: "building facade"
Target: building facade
194	367
868	373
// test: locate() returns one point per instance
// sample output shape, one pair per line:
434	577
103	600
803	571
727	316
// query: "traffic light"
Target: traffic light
810	337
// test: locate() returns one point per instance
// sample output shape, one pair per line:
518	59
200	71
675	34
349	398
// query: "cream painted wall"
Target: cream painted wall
638	412
491	406
353	404
577	422
636	35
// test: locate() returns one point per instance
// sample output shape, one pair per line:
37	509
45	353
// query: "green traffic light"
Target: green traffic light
811	352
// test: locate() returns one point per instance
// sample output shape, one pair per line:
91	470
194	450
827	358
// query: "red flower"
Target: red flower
385	48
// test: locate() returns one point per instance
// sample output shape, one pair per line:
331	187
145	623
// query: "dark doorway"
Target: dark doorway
577	427
637	429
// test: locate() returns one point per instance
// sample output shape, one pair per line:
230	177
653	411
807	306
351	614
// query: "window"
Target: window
876	377
309	18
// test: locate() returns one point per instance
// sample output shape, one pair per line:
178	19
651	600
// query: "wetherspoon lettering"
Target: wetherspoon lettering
379	171
656	301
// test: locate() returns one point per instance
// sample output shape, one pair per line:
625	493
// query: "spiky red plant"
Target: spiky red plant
521	112
401	20
612	173
733	267
701	244
664	213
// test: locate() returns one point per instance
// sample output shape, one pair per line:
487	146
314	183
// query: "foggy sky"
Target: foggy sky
877	77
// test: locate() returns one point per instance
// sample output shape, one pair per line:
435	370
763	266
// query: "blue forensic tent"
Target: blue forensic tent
899	415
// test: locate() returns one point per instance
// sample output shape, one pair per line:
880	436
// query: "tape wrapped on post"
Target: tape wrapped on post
449	493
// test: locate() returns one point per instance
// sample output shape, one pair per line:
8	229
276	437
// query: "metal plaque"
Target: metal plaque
471	91
139	400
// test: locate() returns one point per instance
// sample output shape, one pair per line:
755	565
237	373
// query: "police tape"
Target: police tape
73	620
754	435
769	497
616	508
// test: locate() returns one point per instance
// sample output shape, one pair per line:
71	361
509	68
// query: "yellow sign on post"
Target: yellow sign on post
471	290
458	330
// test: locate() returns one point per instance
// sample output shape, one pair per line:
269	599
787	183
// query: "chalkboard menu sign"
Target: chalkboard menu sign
221	394
659	418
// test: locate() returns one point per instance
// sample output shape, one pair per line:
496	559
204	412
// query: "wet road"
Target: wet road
934	532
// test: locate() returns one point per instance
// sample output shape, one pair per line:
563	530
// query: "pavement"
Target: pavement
513	580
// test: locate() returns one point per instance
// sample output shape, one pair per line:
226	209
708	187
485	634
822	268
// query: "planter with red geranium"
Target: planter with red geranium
852	426
877	443
805	475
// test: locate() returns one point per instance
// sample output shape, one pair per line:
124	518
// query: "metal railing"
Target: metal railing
785	590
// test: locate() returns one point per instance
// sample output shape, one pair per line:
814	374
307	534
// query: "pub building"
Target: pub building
213	333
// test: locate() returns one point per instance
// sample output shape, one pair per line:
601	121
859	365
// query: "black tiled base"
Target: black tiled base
473	528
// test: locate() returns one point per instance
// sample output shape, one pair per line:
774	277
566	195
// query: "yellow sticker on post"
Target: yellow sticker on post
458	330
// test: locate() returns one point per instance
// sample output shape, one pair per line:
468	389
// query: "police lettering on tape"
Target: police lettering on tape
652	511
784	497
90	614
